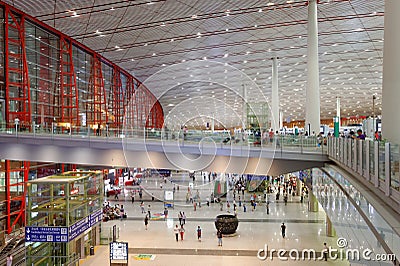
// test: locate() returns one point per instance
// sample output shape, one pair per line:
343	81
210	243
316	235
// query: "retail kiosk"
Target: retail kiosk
63	218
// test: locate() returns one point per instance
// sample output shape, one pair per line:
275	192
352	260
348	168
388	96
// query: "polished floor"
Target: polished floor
305	230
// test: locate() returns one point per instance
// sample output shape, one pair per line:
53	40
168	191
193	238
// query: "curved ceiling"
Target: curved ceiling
146	37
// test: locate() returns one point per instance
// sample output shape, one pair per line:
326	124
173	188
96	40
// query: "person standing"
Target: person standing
9	260
267	207
146	221
180	218
176	231
149	211
165	213
140	194
183	218
325	252
198	233
283	230
219	236
142	207
182	232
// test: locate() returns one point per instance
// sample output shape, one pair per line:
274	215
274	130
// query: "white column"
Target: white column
312	91
244	102
391	77
275	95
280	119
213	123
338	109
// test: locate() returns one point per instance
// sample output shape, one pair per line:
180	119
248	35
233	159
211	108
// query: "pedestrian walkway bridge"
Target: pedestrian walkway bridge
198	150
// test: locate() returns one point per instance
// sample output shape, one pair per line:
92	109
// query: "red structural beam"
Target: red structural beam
18	99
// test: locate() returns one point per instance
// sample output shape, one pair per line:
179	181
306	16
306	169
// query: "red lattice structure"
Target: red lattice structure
118	99
18	100
69	96
96	110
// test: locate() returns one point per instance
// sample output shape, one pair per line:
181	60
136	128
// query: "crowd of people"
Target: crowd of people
113	212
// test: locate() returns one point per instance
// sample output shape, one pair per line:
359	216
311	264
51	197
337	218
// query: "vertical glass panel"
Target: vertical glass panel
394	166
371	158
381	158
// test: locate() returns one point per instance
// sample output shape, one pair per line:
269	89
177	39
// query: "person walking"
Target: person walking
9	260
165	213
176	231
142	207
198	233
149	211
182	232
146	221
283	230
219	236
183	218
325	251
267	207
180	218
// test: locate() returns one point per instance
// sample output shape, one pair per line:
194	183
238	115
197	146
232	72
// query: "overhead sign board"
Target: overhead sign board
46	234
62	234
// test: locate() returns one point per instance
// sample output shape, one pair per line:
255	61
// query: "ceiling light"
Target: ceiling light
260	10
112	8
255	26
270	4
194	16
162	24
154	54
74	14
226	55
145	44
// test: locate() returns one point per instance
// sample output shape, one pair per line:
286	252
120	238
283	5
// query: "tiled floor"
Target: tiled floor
256	229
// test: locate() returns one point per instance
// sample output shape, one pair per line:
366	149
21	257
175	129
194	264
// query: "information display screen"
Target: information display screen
169	195
119	252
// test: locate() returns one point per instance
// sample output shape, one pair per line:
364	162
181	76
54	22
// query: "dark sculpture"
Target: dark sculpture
227	223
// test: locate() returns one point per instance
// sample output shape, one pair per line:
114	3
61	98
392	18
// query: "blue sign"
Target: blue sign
62	234
162	172
95	217
256	177
78	228
46	234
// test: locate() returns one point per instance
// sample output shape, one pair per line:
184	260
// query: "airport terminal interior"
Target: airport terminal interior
213	132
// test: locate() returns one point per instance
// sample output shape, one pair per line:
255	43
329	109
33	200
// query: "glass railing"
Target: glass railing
223	139
353	216
377	161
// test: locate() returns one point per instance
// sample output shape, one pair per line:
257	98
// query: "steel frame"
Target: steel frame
64	96
16	70
98	107
68	90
